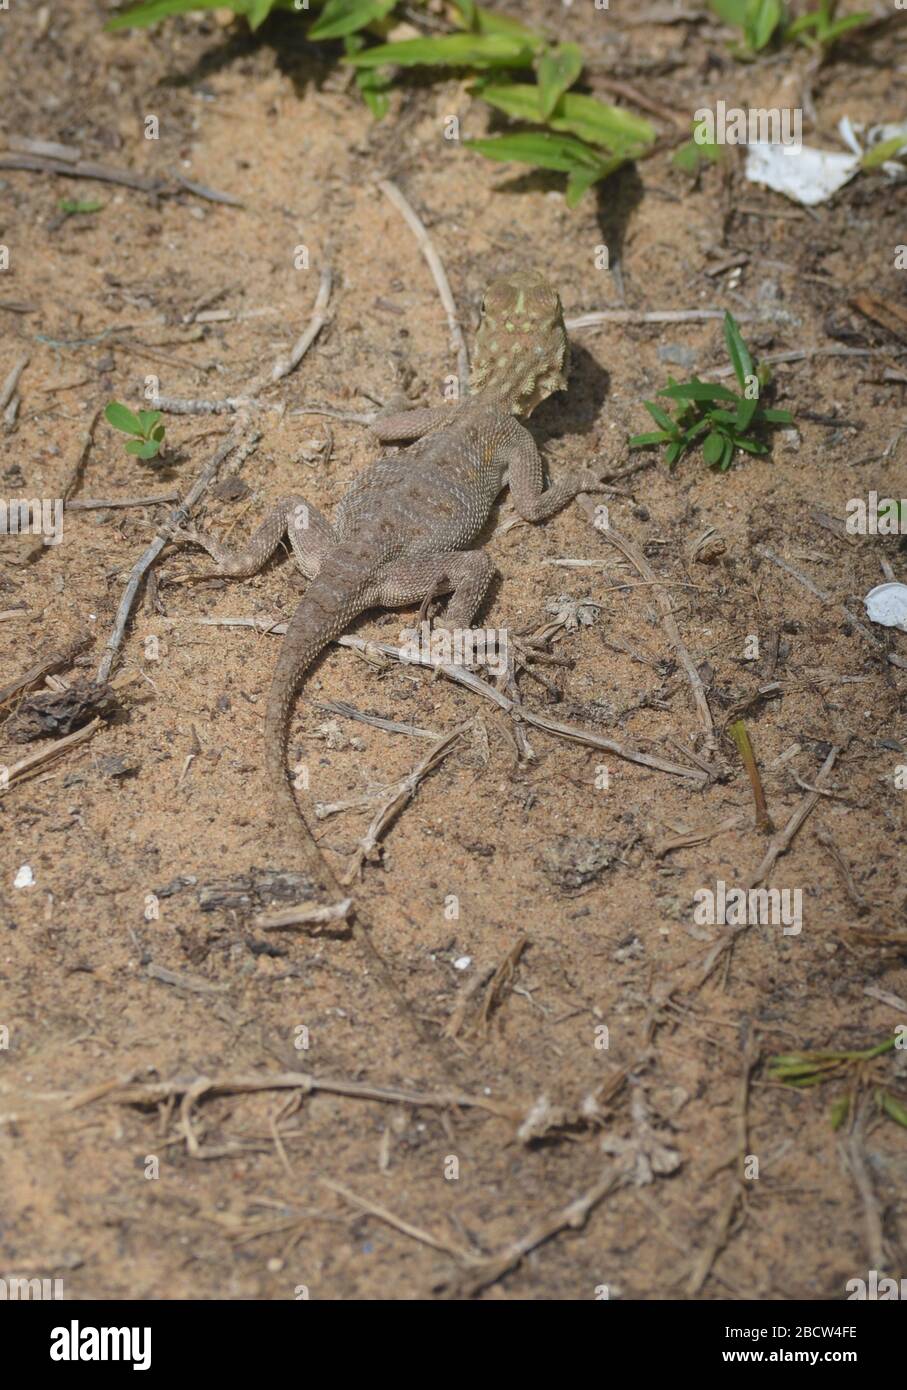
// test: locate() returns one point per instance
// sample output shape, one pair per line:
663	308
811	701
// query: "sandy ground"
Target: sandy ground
537	925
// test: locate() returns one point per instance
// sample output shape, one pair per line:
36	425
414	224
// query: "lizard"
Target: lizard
404	529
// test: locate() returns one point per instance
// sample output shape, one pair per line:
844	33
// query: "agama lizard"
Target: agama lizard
402	531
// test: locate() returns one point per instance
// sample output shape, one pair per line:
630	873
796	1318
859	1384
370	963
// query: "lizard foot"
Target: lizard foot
186	535
587	481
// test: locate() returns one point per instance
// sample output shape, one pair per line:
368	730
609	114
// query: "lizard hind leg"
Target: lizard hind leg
309	533
464	574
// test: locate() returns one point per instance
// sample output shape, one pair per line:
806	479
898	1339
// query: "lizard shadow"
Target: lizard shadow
616	199
577	411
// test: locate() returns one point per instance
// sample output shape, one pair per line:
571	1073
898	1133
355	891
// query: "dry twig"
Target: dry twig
399	796
435	265
178	517
781	842
54	661
21	769
639	561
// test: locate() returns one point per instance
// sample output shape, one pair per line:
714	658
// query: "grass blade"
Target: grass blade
738	351
558	69
342	17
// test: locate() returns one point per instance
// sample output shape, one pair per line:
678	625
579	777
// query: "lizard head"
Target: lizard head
521	346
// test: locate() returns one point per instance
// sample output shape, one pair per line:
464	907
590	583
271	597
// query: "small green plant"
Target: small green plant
820	29
762	21
804	1069
72	207
697	152
720	418
894	147
759	21
557	128
147	434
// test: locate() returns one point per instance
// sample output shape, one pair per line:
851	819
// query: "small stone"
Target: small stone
677	356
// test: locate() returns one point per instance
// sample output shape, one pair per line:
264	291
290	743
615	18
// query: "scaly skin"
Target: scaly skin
402	532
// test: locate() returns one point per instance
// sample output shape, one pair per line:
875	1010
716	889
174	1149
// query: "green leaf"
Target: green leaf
256	11
158	433
522	100
546	151
690	156
467	9
738	351
612	126
893	1107
374	95
713	448
71	206
488	22
661	417
146	449
579	181
147	418
558	69
839	1112
762	19
801	25
696	390
745	412
640	441
122	418
342	17
887	149
752	446
777	417
574	114
731	11
153	10
673	452
699	150
372	84
727	455
449	50
699	428
843	26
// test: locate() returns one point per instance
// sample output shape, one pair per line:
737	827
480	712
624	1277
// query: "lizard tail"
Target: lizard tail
330	604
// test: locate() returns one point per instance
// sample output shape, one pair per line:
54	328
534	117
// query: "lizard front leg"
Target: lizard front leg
396	423
532	499
309	532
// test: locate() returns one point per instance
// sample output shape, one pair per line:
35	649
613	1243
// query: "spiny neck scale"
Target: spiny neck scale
521	344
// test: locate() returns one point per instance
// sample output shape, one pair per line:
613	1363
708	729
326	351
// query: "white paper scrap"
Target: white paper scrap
804	175
887	604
